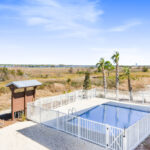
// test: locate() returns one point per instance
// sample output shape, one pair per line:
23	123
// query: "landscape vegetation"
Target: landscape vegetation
63	79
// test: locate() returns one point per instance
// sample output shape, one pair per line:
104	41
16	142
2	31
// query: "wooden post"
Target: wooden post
12	107
34	93
25	103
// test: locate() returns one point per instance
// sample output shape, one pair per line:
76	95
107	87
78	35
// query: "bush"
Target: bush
87	81
13	72
80	72
46	76
41	87
111	83
76	84
3	90
70	70
20	72
23	117
145	69
4	72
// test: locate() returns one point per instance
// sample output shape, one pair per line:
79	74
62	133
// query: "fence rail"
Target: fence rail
136	133
140	97
64	99
42	111
101	134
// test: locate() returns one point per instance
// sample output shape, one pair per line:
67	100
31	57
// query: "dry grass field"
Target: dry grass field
55	80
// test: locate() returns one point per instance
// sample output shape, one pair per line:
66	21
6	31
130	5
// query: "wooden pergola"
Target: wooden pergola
19	100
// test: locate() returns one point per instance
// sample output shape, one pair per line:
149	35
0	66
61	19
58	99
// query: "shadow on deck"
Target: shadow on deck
56	140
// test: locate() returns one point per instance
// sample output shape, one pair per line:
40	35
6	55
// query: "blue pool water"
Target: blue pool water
116	116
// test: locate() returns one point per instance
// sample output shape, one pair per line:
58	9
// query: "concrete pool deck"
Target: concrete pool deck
85	104
31	136
82	104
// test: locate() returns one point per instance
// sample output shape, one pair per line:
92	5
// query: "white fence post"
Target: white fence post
143	99
79	127
129	97
124	140
138	130
57	119
104	93
107	135
40	115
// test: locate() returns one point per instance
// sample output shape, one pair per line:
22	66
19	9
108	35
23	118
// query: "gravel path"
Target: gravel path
31	136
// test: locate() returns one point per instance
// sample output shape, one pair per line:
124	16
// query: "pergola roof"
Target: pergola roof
24	84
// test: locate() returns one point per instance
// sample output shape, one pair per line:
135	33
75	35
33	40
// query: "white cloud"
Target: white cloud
69	17
125	26
47	2
37	21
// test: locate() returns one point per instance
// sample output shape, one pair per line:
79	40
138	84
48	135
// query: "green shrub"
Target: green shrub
13	72
70	70
80	72
3	90
4	72
20	72
23	117
46	76
87	81
145	69
41	87
111	83
76	84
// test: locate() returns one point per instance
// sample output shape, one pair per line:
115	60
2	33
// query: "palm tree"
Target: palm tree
115	58
127	73
101	66
109	67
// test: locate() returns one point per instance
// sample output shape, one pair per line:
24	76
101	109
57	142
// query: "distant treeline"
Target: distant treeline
46	66
59	66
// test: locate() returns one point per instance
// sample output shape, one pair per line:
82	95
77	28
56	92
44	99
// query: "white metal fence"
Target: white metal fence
101	134
139	97
41	111
64	99
136	133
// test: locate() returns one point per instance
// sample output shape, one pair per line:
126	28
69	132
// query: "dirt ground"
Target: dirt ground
145	145
5	120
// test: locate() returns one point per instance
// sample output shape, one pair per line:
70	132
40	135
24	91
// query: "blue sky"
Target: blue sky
74	31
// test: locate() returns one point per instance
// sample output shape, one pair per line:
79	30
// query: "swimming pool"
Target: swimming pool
114	124
117	116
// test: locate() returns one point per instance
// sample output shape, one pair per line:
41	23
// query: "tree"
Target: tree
101	66
109	67
115	58
69	84
127	73
87	81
